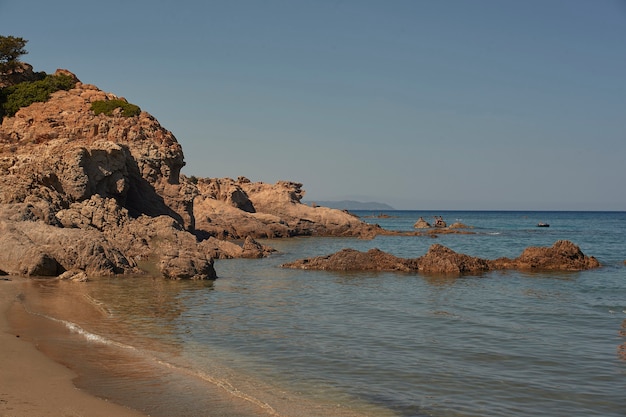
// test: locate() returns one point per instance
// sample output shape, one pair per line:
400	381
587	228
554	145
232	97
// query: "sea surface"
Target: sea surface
262	340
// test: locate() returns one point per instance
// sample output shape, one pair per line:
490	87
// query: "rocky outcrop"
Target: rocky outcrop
60	150
94	193
36	248
442	260
86	194
562	256
227	208
21	73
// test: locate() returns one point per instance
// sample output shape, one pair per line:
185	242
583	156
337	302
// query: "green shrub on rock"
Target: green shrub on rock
107	107
24	94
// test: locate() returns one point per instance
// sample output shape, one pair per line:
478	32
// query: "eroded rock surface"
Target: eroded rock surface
227	208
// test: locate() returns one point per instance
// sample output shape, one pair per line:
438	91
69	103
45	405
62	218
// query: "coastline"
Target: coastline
31	384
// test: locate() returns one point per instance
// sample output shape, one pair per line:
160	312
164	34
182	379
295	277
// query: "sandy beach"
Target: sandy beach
32	385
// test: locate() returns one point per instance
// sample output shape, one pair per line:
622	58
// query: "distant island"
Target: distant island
353	205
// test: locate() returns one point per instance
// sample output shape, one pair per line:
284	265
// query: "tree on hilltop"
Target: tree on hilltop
11	49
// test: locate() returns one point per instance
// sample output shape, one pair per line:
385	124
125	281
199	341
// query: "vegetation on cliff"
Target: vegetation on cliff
108	106
38	86
26	93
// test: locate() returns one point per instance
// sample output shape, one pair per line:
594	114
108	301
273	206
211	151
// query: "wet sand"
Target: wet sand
32	385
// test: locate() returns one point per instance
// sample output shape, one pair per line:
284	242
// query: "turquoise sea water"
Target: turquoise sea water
262	340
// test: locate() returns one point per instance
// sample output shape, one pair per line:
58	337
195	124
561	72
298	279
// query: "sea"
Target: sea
262	340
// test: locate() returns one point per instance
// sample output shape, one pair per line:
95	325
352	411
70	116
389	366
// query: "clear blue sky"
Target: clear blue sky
451	104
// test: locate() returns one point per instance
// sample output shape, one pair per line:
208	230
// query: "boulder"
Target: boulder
442	260
36	248
562	256
179	264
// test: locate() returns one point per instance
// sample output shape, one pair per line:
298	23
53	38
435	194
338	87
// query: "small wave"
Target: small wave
75	328
494	233
92	337
225	385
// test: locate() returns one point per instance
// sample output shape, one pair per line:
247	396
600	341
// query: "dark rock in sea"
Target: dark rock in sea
442	260
562	256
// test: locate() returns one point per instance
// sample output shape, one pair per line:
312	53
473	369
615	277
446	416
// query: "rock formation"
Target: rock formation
227	208
422	224
22	72
562	256
86	194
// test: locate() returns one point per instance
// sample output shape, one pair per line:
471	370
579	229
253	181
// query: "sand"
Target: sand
32	385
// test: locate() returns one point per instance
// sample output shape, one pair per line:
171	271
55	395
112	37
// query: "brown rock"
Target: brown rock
22	72
236	209
223	249
61	147
562	256
36	248
89	193
74	275
422	224
440	259
179	264
353	260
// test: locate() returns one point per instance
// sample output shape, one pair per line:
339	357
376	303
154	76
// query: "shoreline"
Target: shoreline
32	384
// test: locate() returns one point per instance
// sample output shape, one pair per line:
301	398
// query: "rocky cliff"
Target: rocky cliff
86	193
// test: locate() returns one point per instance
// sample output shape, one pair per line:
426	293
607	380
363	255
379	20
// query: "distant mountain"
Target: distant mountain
353	205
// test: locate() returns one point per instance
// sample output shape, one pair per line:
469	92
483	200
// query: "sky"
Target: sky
434	105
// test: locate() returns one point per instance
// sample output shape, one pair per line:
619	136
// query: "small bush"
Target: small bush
107	107
24	94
